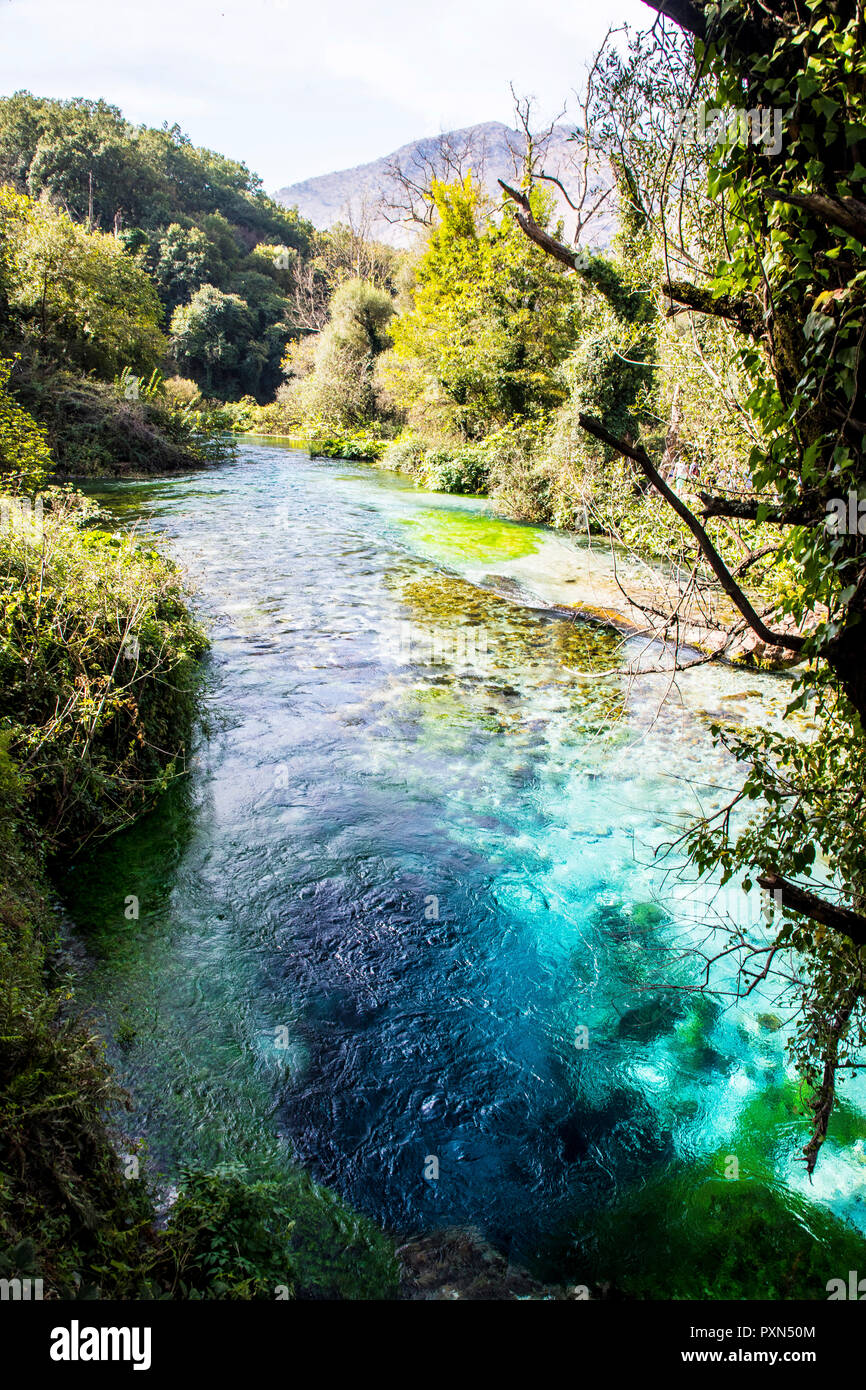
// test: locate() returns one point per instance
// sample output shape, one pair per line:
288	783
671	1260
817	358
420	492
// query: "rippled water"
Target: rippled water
411	876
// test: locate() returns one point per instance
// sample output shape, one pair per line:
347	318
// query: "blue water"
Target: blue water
403	922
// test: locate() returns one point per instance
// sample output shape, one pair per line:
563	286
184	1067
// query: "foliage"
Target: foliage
93	428
490	321
97	670
230	1235
354	444
795	261
25	454
459	470
338	390
83	155
768	233
77	294
212	337
183	217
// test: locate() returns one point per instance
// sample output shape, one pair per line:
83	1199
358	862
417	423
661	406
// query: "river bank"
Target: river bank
100	697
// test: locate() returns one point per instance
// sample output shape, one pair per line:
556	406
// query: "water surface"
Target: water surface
403	923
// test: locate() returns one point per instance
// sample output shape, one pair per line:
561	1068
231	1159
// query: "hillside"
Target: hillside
368	192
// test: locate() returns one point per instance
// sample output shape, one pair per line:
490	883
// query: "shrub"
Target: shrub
233	1236
98	659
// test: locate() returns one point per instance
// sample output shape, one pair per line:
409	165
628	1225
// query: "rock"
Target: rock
771	1022
458	1263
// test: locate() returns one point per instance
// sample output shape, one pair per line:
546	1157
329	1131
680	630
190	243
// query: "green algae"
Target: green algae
470	535
699	1235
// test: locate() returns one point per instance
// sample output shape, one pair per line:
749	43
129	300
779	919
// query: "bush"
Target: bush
357	445
93	430
25	454
98	659
232	1236
67	1213
464	469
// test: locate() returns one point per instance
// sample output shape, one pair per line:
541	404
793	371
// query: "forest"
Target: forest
688	397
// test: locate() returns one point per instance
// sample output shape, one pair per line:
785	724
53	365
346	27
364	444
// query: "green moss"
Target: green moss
698	1235
847	1125
649	914
649	1020
690	1038
774	1106
771	1022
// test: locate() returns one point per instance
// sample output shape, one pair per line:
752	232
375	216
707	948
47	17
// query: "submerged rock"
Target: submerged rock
458	1263
649	1020
771	1022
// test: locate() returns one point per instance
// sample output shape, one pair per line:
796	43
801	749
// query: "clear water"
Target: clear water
395	890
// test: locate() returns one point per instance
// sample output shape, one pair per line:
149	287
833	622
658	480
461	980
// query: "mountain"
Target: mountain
375	196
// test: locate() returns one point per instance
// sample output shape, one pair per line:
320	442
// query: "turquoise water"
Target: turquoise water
403	922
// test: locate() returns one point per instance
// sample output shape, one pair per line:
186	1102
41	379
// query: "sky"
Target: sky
296	88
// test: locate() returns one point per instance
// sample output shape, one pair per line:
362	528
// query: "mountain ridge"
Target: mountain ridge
491	149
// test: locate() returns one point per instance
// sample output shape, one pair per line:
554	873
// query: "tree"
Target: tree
338	389
212	337
183	261
790	279
78	293
490	320
25	455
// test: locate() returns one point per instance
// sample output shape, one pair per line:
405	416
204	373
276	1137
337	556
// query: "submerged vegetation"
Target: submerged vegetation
696	393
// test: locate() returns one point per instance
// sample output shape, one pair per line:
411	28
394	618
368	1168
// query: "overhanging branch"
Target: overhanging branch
840	919
528	224
791	641
703	301
847	213
748	508
685	13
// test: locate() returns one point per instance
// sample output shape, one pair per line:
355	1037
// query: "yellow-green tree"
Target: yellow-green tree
25	457
491	317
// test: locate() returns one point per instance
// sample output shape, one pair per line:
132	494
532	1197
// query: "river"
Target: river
403	923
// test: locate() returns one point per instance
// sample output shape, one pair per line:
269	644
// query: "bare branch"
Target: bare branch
527	222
